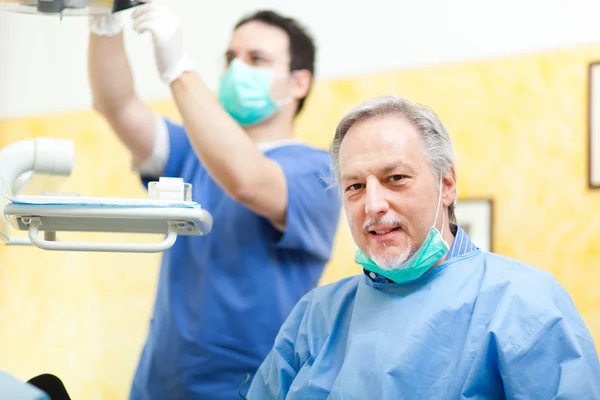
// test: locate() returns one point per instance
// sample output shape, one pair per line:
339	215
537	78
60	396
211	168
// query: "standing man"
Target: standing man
222	298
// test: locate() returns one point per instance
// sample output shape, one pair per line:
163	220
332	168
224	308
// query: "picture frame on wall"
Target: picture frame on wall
594	125
476	218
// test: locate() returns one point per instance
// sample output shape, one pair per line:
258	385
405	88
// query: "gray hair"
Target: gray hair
438	146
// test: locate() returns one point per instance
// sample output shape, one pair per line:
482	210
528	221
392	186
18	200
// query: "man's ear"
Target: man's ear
301	82
448	188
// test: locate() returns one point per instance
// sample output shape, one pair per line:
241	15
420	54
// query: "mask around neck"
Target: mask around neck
433	248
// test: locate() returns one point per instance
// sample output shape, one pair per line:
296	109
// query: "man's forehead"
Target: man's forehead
381	136
259	37
377	144
374	163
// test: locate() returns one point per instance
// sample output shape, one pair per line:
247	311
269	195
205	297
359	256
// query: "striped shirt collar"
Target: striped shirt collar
462	244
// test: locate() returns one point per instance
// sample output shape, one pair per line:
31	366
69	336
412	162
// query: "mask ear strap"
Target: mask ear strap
287	100
284	102
437	211
443	220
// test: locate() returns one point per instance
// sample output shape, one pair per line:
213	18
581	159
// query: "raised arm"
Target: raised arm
113	90
224	149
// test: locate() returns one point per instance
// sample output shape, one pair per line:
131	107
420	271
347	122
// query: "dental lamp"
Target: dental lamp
67	7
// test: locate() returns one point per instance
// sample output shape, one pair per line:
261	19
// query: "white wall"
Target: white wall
43	59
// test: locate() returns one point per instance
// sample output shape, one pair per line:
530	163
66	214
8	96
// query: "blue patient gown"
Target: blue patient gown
478	326
13	389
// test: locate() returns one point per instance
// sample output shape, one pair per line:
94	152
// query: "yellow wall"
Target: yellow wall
519	128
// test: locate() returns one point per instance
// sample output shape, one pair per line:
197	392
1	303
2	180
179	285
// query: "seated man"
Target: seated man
433	316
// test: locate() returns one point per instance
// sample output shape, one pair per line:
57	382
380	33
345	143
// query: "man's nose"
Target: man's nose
376	204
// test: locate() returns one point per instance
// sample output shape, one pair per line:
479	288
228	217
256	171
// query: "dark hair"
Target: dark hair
302	46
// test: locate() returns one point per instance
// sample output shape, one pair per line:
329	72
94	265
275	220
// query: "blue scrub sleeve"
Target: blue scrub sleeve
314	205
278	371
179	148
557	359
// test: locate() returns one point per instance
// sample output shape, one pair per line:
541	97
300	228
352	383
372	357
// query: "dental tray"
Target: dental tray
52	214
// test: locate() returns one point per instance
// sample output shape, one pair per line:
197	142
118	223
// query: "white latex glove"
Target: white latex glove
106	25
157	17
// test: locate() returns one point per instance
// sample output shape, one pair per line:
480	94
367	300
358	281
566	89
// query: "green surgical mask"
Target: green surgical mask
244	93
433	248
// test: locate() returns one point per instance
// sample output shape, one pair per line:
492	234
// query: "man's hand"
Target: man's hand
157	17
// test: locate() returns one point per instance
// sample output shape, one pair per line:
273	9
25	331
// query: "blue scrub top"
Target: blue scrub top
222	298
478	326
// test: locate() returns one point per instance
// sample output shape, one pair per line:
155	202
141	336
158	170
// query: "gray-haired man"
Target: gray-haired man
433	316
